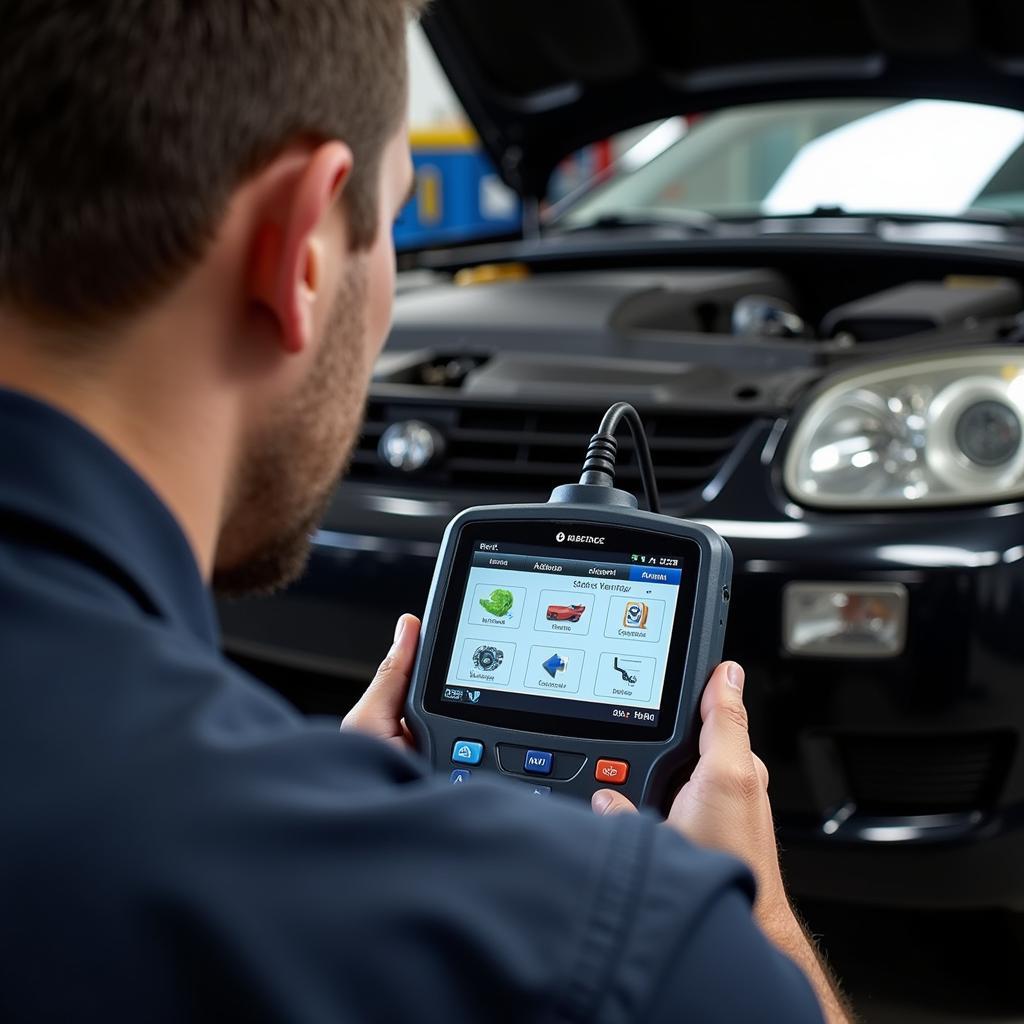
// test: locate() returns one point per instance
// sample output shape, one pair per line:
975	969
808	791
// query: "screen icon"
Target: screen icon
561	611
554	670
626	677
627	668
495	605
635	615
565	612
484	663
488	658
554	665
498	603
473	696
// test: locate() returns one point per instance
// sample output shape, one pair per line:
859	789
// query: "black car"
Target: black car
813	293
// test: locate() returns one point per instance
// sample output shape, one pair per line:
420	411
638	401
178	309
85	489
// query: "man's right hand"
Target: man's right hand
725	806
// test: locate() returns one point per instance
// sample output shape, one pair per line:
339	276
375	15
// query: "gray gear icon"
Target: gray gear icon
487	658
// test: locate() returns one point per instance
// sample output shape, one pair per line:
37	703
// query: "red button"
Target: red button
615	772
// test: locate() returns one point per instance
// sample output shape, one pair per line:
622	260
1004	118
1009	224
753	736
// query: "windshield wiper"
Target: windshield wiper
998	218
696	221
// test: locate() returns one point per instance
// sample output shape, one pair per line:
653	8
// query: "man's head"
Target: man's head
233	166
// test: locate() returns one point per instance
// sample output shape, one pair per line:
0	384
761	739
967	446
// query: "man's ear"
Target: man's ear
286	274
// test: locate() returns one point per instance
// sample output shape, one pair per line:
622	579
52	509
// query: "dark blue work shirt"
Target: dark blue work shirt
177	844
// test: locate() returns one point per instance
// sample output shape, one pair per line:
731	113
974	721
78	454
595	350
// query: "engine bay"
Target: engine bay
753	303
693	337
495	369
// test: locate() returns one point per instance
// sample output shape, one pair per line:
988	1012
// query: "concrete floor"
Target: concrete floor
905	967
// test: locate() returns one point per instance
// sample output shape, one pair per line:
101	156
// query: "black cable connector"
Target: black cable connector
599	465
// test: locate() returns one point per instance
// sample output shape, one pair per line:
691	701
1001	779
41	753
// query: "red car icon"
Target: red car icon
566	612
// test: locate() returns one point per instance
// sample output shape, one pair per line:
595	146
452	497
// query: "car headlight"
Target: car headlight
944	430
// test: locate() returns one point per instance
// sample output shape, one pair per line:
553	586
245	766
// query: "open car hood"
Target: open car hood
541	78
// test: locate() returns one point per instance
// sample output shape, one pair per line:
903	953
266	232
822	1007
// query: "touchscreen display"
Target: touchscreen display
565	632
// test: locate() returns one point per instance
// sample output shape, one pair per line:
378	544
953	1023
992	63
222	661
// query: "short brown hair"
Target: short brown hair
125	126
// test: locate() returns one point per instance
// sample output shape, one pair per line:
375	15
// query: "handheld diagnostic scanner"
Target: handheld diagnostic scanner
565	646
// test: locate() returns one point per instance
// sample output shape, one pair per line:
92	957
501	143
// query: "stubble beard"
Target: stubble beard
286	482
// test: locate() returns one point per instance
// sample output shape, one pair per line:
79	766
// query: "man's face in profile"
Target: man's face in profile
300	450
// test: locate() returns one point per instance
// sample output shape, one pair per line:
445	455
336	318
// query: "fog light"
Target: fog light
845	620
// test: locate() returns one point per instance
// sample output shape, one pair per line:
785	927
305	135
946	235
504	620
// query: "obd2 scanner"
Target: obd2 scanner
565	646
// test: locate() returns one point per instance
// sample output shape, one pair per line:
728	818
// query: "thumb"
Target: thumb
379	710
607	801
724	736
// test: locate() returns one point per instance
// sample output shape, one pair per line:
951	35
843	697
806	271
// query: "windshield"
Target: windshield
918	157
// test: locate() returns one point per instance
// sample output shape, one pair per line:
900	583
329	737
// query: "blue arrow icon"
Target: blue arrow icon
554	664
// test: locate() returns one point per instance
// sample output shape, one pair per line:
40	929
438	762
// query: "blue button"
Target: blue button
460	775
538	762
639	574
467	752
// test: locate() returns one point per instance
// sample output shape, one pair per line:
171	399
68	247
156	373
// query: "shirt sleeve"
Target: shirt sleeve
256	867
726	970
687	947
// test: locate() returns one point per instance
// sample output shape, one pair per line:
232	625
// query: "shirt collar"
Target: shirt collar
57	474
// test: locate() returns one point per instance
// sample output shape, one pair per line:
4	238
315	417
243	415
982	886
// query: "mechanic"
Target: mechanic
196	274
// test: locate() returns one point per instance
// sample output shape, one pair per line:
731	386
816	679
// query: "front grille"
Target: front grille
907	775
527	452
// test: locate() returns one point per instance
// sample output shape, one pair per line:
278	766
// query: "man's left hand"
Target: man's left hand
379	711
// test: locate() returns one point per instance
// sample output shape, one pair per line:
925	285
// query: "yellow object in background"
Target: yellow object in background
454	136
489	273
428	194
